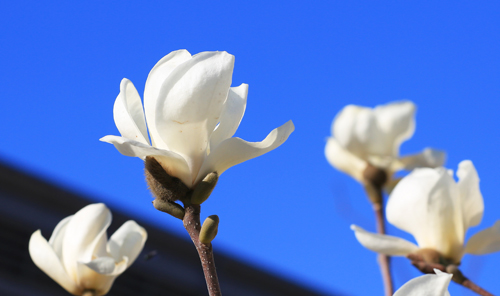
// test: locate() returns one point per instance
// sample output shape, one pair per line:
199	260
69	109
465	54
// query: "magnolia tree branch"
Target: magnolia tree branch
375	196
167	190
192	224
383	260
375	179
458	277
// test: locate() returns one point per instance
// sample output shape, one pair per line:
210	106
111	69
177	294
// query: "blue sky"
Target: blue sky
288	211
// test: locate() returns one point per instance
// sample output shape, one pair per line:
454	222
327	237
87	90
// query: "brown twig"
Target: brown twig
458	277
383	260
374	179
89	293
475	288
192	224
167	190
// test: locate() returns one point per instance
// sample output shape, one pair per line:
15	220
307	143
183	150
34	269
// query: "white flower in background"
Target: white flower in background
437	211
78	255
363	135
192	113
427	285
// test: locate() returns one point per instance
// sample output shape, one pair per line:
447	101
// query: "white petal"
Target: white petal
190	103
57	236
231	115
235	150
128	113
156	77
343	160
375	133
396	122
426	204
353	127
84	233
485	241
93	280
426	285
384	244
107	265
172	162
430	158
47	260
127	241
472	200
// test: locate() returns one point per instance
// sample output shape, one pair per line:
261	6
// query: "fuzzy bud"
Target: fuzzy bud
165	188
209	229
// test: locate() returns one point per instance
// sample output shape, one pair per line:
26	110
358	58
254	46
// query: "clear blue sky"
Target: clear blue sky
288	211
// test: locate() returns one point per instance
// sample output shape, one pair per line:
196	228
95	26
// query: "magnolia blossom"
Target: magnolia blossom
192	112
437	211
363	135
78	255
427	285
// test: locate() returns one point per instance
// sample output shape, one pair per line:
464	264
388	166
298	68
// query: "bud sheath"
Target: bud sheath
209	229
203	190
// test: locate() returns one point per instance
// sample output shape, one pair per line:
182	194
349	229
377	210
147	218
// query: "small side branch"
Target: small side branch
192	224
475	288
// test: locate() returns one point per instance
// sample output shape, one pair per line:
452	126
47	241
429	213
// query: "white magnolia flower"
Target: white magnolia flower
427	285
192	113
78	255
363	135
437	211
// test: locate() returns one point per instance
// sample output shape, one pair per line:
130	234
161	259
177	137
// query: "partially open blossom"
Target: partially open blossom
437	211
427	285
192	112
78	255
362	136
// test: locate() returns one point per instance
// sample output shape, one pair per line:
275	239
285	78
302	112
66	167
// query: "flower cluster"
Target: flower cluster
192	113
427	203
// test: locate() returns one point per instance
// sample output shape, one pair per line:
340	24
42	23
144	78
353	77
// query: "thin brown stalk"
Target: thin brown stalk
383	260
89	293
374	179
192	224
475	288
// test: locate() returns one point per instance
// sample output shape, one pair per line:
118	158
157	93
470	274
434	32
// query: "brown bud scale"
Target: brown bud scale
161	184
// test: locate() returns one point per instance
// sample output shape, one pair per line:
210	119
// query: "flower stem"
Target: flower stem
375	195
193	226
89	293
